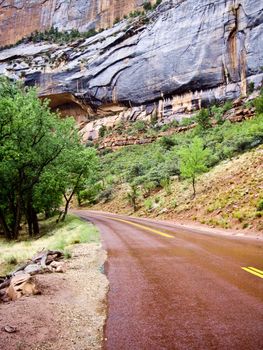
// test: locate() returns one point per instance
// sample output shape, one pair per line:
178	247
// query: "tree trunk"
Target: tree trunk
29	218
35	222
193	182
4	226
65	210
18	216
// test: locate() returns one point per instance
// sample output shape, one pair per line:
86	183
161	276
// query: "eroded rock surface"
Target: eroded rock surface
18	18
192	52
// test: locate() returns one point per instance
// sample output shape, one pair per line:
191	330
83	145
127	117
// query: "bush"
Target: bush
203	119
147	6
140	126
251	87
148	204
260	205
167	142
102	131
258	103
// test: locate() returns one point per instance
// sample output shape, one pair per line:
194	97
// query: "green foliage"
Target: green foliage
203	119
167	142
186	121
148	204
193	160
90	194
260	205
166	185
102	131
258	103
132	195
149	166
251	87
147	6
140	126
41	158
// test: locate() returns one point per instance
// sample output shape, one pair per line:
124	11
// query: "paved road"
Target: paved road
177	288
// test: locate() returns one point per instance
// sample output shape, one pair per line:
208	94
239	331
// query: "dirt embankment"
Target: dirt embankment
69	314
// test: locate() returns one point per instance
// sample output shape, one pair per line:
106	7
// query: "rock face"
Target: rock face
19	18
190	53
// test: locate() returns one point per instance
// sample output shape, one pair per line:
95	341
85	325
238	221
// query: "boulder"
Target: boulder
22	284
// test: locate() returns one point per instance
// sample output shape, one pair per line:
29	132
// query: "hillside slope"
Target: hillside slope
228	196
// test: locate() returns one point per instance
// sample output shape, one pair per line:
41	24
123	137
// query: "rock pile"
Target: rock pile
22	281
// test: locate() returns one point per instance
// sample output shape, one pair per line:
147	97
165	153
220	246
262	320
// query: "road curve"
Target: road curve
177	288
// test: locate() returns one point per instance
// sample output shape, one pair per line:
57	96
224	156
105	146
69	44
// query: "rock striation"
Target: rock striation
186	54
19	18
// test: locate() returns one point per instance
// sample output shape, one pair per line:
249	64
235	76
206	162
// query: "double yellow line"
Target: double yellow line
146	228
254	271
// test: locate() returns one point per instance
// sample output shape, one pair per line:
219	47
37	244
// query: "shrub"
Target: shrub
203	119
258	103
102	131
251	87
147	6
186	121
140	126
260	205
167	142
148	204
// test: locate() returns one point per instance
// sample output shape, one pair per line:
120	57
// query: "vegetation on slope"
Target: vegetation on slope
148	171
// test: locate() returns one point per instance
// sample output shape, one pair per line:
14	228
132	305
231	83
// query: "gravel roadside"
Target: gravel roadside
69	314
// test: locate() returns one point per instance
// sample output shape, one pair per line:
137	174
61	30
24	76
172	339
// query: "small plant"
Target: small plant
140	126
258	103
174	204
186	121
102	131
148	204
117	20
147	6
133	196
11	260
166	185
260	205
251	87
203	119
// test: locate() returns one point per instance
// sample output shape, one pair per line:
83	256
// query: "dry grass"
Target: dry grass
60	237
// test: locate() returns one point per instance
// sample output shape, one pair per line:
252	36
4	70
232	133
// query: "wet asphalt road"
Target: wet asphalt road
177	288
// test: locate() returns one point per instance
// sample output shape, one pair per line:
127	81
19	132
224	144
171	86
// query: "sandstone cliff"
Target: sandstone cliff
192	52
18	18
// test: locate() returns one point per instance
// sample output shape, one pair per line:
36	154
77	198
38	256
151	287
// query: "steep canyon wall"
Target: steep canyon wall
185	54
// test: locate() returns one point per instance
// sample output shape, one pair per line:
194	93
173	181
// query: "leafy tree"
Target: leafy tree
203	119
34	143
193	161
78	164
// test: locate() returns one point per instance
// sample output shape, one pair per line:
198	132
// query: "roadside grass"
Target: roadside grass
60	236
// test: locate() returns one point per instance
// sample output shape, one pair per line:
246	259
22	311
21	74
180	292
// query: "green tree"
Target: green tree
203	119
78	165
193	161
34	143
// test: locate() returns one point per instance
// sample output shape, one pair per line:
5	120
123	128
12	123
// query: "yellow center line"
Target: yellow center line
142	227
254	271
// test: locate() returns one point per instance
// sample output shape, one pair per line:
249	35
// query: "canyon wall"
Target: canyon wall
19	18
184	55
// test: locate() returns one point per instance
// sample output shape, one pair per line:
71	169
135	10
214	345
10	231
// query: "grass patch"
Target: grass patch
61	237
